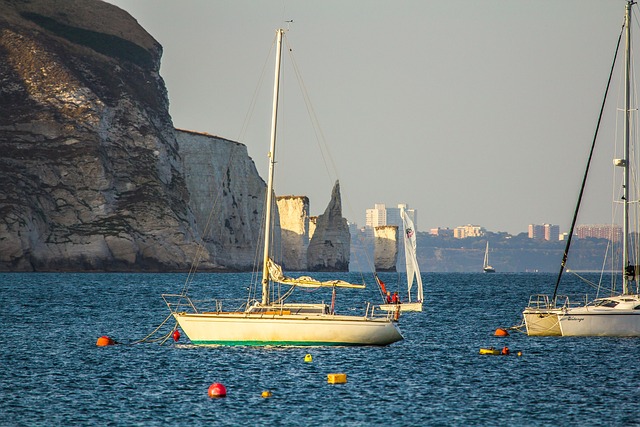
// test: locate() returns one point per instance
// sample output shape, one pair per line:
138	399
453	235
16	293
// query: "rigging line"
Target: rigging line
254	99
327	158
586	172
313	117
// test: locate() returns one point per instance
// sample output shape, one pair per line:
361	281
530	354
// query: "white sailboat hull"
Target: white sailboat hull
542	322
622	319
405	306
257	329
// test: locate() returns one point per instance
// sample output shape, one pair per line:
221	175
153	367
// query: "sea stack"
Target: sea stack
385	247
294	226
331	241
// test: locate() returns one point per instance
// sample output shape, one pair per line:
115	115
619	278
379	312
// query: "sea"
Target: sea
53	373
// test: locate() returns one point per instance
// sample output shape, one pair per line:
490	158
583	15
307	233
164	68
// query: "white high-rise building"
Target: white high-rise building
381	215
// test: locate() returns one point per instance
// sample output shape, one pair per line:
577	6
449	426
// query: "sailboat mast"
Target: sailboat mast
627	118
272	158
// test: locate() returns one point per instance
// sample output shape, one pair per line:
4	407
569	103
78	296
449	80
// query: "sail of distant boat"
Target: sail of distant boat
411	264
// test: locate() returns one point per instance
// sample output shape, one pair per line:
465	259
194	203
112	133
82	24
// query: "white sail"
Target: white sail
410	255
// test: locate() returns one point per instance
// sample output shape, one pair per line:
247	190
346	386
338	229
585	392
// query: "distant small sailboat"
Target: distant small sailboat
486	267
413	270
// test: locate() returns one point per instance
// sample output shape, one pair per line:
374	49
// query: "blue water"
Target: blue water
54	374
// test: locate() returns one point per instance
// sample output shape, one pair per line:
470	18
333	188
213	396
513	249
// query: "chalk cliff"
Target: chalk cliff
227	197
90	170
385	247
329	248
294	224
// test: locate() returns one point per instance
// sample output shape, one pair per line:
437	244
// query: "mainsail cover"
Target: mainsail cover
410	255
276	274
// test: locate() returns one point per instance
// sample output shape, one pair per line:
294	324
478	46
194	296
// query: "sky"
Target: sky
471	112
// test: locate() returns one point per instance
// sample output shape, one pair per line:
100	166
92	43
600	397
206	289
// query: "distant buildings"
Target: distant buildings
381	215
547	232
468	230
441	232
600	231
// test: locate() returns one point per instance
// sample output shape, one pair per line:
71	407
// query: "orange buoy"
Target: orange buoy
104	341
505	351
217	390
266	394
176	335
501	332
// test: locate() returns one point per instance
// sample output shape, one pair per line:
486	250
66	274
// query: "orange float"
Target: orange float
104	341
501	332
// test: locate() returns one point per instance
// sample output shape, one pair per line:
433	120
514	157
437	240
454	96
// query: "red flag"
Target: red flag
381	283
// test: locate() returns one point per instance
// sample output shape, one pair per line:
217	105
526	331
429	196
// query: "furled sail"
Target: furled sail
276	274
410	255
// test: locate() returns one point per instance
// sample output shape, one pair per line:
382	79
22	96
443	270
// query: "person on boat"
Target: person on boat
395	299
389	299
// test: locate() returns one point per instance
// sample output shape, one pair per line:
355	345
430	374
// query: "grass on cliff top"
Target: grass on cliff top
106	44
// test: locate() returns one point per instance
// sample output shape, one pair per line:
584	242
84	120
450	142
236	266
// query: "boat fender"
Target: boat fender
104	341
176	335
396	314
217	390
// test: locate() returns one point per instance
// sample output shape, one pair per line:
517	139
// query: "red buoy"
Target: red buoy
176	335
505	351
217	390
501	332
104	341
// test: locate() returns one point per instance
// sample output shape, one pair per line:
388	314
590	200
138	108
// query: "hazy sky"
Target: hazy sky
476	112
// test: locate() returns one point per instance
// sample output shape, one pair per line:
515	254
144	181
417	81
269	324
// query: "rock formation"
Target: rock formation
330	245
227	197
90	170
294	224
385	247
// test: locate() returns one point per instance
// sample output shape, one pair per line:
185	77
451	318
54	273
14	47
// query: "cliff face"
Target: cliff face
294	224
227	198
89	160
385	247
331	242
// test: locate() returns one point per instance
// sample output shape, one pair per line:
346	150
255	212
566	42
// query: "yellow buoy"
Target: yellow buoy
266	393
337	378
519	353
308	358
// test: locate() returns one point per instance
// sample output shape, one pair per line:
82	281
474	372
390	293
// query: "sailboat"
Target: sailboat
413	270
486	267
271	320
614	315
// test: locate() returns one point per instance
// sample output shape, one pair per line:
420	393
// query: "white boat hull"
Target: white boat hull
405	306
258	329
542	321
589	322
